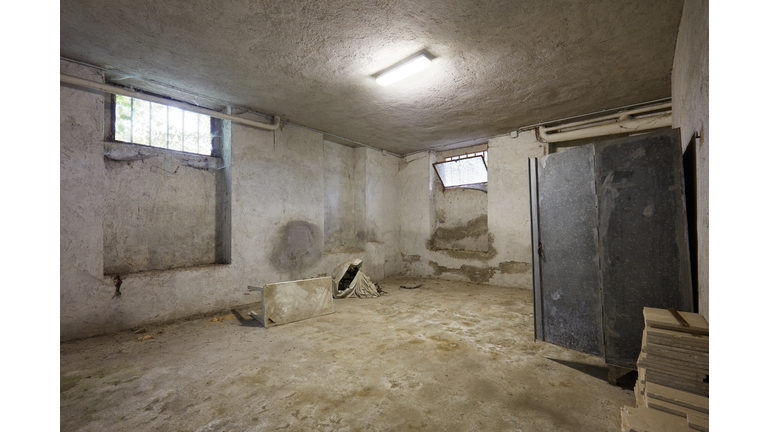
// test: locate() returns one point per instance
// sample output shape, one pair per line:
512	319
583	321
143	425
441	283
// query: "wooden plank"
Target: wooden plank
662	318
287	302
677	344
651	374
701	389
698	339
655	358
679	356
678	317
650	420
677	397
671	408
685	370
699	423
677	349
682	374
639	396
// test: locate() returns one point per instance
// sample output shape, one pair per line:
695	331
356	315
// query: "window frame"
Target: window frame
111	127
469	155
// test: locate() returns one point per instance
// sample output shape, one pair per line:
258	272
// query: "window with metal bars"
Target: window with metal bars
142	122
484	154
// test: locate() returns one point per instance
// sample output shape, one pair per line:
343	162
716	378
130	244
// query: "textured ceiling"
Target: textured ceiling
499	65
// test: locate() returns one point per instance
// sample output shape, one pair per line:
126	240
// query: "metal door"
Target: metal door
568	307
644	256
609	236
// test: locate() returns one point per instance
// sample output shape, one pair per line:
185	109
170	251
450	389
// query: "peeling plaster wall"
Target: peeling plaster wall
278	213
461	220
508	258
690	112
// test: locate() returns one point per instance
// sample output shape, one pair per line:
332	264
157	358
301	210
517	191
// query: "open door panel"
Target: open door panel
566	249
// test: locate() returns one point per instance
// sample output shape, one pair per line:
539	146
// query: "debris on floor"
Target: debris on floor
413	287
672	390
220	319
141	330
149	336
349	281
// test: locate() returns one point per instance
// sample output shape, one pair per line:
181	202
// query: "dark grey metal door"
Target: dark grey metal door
644	252
567	294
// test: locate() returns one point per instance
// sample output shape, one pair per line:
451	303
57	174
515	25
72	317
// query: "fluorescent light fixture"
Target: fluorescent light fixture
403	70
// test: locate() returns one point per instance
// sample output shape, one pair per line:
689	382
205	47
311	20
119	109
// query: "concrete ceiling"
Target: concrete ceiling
499	65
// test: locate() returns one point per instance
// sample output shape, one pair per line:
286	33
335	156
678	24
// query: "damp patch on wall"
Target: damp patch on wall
299	245
482	274
471	236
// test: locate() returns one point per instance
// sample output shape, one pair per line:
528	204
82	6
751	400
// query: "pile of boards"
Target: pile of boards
672	389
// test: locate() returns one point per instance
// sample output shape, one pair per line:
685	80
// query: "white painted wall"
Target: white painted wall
690	112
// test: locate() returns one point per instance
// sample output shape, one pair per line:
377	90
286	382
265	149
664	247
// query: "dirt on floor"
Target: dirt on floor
448	356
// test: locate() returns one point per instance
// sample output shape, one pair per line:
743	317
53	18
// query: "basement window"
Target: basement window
148	123
464	171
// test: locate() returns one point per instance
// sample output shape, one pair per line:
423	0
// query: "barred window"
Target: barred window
156	125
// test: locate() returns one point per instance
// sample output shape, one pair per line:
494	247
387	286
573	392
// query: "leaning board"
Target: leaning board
287	302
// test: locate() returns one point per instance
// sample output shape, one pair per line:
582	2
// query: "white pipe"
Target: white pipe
621	126
69	79
664	106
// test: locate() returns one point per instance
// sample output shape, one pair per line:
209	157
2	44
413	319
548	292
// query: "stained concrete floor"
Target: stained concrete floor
449	356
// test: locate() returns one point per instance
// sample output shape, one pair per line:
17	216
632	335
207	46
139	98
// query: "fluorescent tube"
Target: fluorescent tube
406	69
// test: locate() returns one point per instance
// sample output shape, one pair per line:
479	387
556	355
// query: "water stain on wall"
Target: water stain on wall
408	260
514	267
299	246
473	233
482	274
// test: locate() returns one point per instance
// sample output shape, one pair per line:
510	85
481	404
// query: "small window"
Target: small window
153	124
465	171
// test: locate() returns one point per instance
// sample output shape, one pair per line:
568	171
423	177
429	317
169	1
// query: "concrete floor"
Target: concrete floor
449	356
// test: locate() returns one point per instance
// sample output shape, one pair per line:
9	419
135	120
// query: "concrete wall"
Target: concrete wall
278	219
690	112
382	211
339	178
159	212
507	260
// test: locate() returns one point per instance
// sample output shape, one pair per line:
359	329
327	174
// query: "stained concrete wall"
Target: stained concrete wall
461	220
159	212
508	258
690	112
278	219
382	211
339	177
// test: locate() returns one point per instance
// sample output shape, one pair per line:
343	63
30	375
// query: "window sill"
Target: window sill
127	152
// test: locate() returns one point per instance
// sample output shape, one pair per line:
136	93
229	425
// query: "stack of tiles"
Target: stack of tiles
672	389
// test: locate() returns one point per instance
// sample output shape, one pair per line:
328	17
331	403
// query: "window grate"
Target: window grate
484	154
157	125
